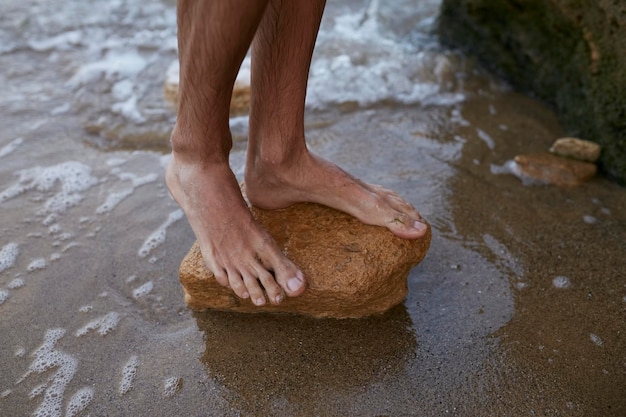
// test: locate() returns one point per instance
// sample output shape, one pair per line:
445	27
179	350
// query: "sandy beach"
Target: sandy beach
518	309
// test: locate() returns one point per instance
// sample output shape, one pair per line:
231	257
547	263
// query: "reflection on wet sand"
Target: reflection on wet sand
288	363
566	335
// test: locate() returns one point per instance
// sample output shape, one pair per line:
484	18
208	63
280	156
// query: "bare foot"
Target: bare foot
234	247
309	178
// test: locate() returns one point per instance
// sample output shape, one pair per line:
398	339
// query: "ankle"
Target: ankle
276	154
194	147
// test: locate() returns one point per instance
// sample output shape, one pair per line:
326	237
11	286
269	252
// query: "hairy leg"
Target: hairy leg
214	37
279	168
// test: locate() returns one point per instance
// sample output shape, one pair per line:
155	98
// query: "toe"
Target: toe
272	289
407	227
292	282
286	275
237	285
254	289
221	277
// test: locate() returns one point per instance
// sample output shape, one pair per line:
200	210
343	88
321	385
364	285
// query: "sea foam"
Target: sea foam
158	236
143	290
104	325
73	177
48	357
10	147
8	255
129	372
3	296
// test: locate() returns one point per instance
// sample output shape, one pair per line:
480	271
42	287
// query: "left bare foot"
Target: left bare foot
305	177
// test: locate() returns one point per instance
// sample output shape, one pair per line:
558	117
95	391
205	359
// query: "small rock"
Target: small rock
240	100
551	169
352	269
583	150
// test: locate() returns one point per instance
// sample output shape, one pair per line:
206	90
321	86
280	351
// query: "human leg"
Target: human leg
214	37
279	169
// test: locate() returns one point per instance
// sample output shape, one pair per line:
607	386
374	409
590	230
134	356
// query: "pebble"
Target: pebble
582	150
546	168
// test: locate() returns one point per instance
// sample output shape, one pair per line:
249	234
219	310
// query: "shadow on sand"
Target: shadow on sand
289	363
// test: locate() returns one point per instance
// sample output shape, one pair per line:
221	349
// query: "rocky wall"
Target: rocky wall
570	53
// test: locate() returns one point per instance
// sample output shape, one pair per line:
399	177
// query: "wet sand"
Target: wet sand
518	309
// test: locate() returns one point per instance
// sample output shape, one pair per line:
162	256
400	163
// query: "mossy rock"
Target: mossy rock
570	53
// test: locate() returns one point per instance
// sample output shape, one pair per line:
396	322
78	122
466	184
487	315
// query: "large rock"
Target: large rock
571	53
352	269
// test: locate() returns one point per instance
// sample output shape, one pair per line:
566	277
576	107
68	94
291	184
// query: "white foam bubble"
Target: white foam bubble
128	374
50	219
16	283
3	296
114	66
85	309
158	236
129	110
104	325
357	63
48	357
69	246
590	219
11	147
8	256
54	228
61	109
113	162
561	282
486	138
115	198
62	41
36	264
5	393
122	90
74	178
505	168
143	290
19	352
79	401
596	339
37	391
171	386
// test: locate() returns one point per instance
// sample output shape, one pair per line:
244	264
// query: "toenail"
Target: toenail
260	301
245	295
294	284
279	298
419	226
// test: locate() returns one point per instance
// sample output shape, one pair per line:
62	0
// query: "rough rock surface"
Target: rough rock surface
551	169
571	53
583	150
352	269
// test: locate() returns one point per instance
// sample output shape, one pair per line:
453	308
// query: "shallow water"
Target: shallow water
518	309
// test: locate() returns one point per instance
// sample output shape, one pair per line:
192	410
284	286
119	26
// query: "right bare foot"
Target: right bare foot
234	247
